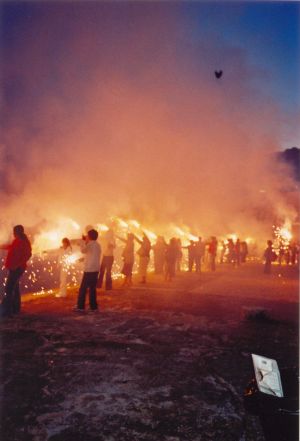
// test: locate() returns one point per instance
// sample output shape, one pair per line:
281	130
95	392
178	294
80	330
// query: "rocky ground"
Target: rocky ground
161	362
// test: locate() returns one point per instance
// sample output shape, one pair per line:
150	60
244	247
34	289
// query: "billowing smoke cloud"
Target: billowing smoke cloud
114	109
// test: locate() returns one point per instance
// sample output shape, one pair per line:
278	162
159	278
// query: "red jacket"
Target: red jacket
19	252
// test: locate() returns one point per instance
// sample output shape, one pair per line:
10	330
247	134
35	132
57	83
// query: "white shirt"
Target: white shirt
92	252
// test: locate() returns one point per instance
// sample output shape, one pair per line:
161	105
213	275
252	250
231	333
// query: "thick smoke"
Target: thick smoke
114	109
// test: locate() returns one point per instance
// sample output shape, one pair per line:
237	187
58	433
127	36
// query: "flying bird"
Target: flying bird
218	73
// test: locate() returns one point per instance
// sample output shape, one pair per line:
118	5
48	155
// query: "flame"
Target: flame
122	223
192	237
47	240
72	258
75	224
285	234
51	239
134	223
102	227
150	234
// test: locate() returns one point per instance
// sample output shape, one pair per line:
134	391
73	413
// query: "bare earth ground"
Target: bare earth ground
161	362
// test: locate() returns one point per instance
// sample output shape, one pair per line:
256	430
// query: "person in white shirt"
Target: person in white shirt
109	244
92	251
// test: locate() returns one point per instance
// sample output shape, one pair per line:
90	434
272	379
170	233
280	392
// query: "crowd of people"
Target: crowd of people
97	270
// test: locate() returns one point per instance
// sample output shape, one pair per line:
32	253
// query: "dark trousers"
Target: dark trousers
89	282
11	303
106	266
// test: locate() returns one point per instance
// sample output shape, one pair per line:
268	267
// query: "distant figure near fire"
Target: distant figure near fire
128	259
191	254
144	253
179	255
92	250
199	253
19	252
109	244
212	251
159	250
65	252
171	257
244	251
269	256
237	254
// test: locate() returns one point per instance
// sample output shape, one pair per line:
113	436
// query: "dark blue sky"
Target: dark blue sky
268	31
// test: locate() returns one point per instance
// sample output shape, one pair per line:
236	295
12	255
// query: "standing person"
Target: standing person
223	251
270	256
19	252
199	253
65	251
244	251
237	249
191	255
159	250
170	257
108	259
92	250
281	253
293	253
231	251
212	252
128	259
179	255
144	253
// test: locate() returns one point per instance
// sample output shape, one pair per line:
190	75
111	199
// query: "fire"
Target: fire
134	223
72	258
192	237
150	234
285	234
47	240
75	225
102	227
122	223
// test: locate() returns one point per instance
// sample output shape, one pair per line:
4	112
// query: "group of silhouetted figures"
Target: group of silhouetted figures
98	261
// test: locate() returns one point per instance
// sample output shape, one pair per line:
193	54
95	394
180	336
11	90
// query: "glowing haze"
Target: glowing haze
114	109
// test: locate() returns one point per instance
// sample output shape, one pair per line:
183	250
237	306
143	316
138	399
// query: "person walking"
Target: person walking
18	254
92	250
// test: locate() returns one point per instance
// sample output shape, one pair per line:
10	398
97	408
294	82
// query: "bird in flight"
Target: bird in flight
218	73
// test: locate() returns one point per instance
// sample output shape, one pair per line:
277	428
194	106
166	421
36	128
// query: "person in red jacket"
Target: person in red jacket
19	252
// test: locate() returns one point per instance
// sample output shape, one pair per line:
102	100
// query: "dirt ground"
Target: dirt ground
158	362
